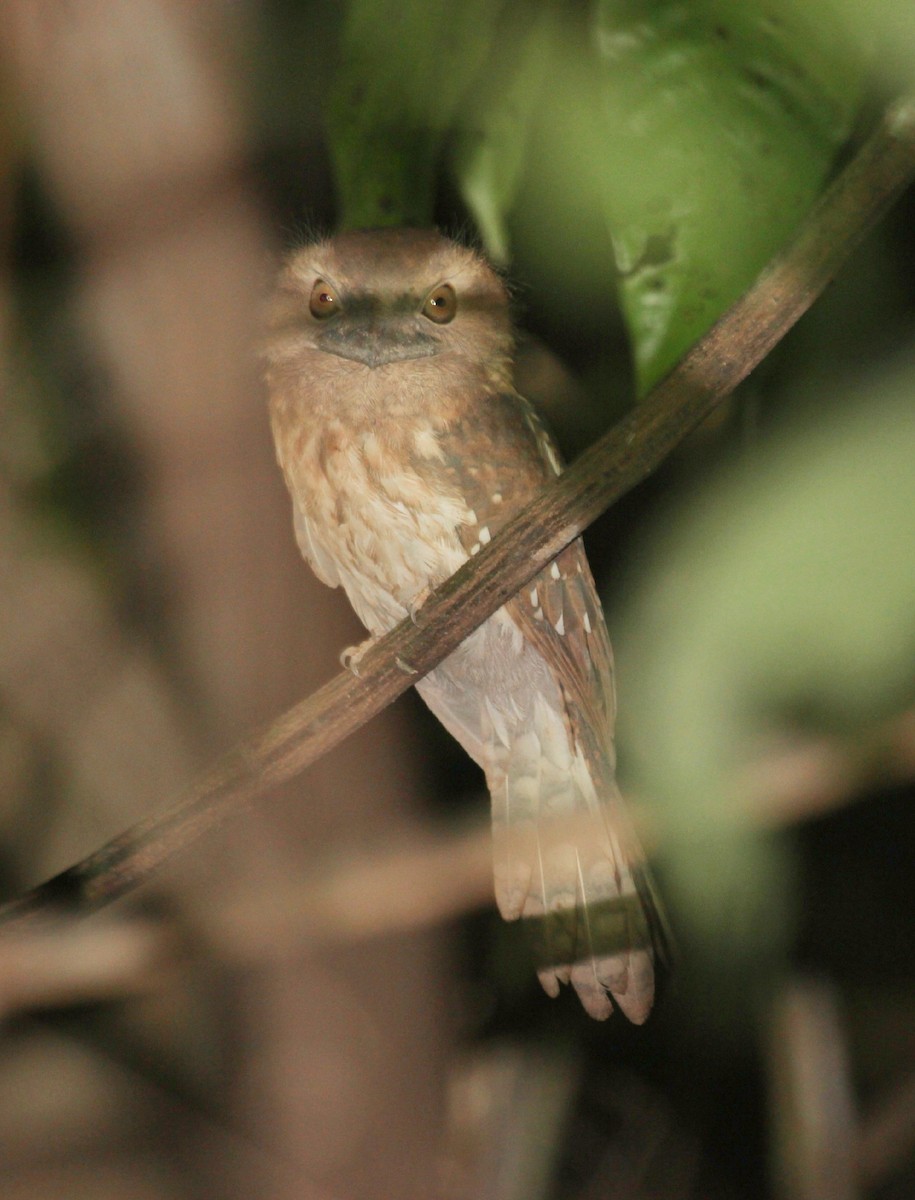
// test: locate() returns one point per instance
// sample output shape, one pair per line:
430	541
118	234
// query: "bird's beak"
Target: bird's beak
375	342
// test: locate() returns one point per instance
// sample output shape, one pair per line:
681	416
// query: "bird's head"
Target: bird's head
389	296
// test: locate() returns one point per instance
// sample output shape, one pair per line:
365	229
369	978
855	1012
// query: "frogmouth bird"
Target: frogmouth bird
405	448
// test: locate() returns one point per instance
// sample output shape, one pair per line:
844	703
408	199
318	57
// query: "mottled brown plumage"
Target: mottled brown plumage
405	448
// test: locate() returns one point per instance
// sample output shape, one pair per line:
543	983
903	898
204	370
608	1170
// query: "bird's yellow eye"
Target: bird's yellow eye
323	302
441	304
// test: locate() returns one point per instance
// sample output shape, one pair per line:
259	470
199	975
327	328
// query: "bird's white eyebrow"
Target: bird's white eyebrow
455	275
325	275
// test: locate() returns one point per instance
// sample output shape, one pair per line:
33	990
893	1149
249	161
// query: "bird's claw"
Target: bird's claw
416	604
352	656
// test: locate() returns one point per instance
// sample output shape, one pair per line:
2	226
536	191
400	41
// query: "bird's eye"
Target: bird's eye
323	302
441	304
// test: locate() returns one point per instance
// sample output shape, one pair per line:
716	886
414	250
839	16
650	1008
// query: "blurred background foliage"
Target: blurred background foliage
632	165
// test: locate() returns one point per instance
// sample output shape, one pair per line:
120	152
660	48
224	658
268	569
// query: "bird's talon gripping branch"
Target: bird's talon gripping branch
352	656
417	602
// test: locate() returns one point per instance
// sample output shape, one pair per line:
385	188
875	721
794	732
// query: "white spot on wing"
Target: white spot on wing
497	497
560	625
554	571
535	598
485	535
427	444
587	623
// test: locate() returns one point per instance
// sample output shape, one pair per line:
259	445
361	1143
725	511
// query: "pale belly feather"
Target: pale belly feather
386	537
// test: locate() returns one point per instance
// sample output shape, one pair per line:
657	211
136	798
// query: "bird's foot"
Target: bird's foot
417	602
352	656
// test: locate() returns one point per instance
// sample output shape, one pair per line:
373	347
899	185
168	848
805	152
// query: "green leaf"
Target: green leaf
403	70
721	120
786	590
492	144
888	25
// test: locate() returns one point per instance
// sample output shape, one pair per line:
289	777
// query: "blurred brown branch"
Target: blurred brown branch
812	1106
887	1135
825	1150
422	878
616	463
805	778
72	963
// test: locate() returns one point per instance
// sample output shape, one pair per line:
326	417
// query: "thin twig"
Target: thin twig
611	467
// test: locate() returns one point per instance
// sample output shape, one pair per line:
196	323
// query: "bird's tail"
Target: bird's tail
566	858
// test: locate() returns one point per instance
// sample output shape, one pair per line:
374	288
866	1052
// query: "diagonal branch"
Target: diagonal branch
611	467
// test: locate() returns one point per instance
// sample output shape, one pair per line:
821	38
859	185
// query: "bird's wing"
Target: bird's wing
496	467
531	698
560	614
320	561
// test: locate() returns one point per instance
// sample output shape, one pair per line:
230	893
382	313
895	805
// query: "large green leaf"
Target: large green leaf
402	72
783	598
721	120
492	143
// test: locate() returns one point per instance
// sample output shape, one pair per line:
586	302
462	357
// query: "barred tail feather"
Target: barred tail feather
561	855
563	852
